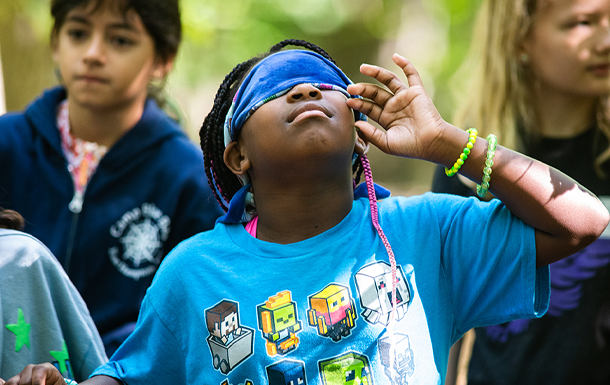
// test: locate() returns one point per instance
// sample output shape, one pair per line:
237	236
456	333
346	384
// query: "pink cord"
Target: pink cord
251	226
368	176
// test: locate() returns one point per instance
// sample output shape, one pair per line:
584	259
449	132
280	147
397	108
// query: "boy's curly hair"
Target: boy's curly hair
222	181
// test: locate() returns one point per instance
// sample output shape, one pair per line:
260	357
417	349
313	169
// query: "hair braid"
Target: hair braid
222	181
301	43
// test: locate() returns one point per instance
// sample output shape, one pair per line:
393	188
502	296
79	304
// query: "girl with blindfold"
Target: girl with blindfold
307	278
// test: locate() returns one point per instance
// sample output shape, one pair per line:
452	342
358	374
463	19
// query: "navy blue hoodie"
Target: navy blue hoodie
149	193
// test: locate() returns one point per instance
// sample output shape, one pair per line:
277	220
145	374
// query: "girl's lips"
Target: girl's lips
600	70
307	114
308	109
92	79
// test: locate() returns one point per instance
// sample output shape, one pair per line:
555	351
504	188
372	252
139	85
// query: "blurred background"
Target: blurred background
218	34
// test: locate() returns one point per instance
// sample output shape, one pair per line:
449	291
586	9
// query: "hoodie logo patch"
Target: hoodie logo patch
141	232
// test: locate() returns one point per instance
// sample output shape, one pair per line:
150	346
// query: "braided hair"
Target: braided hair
222	181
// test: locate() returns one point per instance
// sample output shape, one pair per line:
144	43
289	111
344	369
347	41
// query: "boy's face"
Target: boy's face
106	58
304	125
569	47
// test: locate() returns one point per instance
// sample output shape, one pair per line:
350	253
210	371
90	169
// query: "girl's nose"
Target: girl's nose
95	52
302	92
603	43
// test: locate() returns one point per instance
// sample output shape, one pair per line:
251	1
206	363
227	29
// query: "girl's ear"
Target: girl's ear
235	159
55	47
523	51
163	67
361	147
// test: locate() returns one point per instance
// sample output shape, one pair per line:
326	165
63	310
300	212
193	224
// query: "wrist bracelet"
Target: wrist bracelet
70	382
482	188
460	161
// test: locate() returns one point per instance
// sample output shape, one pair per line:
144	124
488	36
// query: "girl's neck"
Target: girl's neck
292	216
563	117
103	126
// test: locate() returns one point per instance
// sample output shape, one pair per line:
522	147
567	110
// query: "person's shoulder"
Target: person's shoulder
39	113
187	260
195	248
21	238
172	136
25	249
427	199
437	204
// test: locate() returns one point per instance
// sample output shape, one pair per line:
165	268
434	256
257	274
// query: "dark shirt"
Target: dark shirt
571	343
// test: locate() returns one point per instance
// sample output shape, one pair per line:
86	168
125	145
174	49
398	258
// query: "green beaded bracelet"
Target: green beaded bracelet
482	188
464	155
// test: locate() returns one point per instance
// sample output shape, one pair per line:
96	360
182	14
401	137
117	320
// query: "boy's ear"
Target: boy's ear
235	159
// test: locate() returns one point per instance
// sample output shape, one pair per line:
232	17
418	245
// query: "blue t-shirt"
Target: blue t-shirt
227	306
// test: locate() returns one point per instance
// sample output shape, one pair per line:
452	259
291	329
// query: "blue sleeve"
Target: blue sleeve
151	354
488	258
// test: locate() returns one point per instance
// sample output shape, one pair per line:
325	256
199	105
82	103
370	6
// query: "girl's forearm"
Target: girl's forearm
101	380
566	216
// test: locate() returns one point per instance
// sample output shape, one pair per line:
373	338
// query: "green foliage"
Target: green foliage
221	33
218	34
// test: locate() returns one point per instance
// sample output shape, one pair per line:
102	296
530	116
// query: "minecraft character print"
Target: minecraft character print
374	285
347	369
399	362
286	372
247	382
332	312
279	324
230	343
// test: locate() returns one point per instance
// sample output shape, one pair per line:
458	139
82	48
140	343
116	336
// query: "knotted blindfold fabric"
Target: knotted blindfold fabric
274	76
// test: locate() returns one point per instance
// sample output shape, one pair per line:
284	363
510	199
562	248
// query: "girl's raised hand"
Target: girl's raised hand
411	120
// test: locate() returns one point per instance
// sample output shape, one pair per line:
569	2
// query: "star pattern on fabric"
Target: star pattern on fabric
61	357
21	330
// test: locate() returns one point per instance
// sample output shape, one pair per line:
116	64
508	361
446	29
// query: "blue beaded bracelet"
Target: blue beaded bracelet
482	188
70	382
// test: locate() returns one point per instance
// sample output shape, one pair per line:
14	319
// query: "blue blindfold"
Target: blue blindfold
271	78
275	76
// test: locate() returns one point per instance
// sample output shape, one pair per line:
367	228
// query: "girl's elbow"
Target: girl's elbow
600	222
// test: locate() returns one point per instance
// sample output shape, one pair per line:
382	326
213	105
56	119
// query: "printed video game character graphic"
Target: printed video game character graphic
247	382
278	322
374	285
403	358
348	369
230	343
286	372
332	312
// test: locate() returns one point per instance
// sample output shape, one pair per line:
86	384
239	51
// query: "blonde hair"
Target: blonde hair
492	86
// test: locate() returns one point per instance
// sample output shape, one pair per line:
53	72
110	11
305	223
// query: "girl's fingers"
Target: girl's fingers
409	70
385	77
372	135
39	375
370	109
370	91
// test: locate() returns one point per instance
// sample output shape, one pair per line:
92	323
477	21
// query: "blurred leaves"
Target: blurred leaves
222	33
218	34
